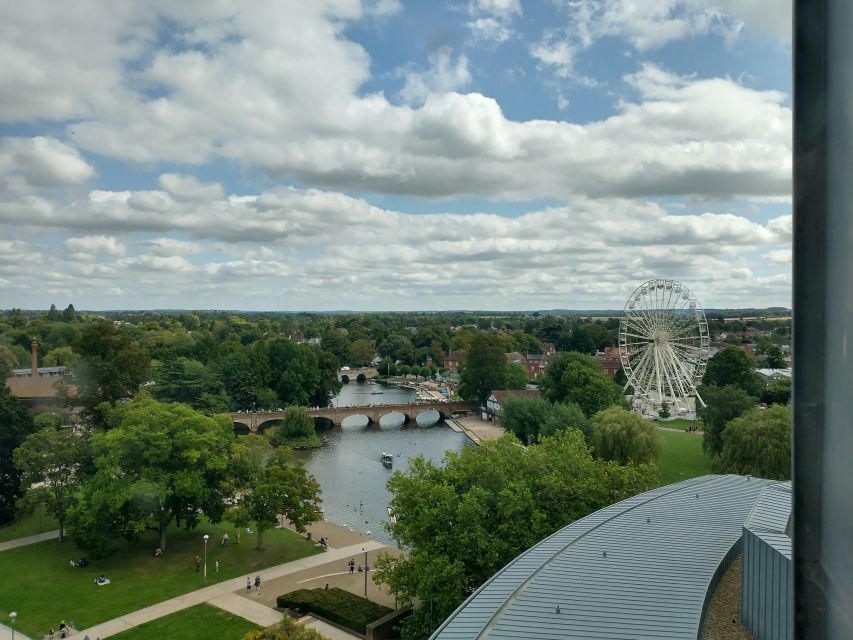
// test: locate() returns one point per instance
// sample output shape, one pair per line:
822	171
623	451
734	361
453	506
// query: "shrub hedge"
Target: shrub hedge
337	605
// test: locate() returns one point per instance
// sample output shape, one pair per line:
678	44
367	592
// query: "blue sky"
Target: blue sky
374	155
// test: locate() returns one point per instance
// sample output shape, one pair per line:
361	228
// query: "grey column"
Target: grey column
823	325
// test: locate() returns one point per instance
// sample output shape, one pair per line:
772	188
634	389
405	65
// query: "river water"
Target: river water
348	465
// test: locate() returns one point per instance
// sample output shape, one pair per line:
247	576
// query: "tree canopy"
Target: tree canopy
159	463
623	436
575	377
465	520
296	430
112	367
722	404
515	376
15	425
732	366
528	418
758	443
484	369
51	462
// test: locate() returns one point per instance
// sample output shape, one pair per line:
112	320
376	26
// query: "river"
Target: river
348	465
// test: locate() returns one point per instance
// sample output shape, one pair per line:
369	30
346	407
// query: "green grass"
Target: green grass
337	605
679	423
201	622
682	457
29	524
39	584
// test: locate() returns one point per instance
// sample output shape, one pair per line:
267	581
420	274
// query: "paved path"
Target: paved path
214	593
6	634
22	542
326	630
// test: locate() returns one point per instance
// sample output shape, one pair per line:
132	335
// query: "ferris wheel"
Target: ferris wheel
663	343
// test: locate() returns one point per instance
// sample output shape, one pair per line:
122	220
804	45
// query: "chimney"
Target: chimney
35	348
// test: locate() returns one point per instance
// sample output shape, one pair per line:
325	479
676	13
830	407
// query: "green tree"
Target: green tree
296	430
758	443
157	464
528	418
774	358
191	382
53	314
398	348
112	367
663	412
69	314
722	404
777	392
465	519
516	376
301	374
15	425
575	377
48	420
60	357
242	382
270	487
360	352
287	629
623	436
51	463
484	369
732	366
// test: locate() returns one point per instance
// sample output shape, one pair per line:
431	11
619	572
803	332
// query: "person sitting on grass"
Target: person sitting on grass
102	580
158	552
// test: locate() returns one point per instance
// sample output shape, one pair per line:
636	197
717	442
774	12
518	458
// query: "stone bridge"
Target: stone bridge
352	375
260	420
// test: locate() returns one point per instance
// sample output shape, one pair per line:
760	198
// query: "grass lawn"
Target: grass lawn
678	423
30	524
682	457
39	584
201	622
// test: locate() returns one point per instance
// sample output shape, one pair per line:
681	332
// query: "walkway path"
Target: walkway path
6	634
22	542
220	594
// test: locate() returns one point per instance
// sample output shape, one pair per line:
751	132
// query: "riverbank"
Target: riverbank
476	429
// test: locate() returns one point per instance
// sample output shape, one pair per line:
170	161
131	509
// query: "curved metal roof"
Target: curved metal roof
639	569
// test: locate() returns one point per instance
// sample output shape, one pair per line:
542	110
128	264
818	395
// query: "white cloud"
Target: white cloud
189	187
442	77
779	256
491	20
43	162
90	248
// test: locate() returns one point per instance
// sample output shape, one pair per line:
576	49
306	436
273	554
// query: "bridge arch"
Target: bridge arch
241	428
266	425
344	378
361	378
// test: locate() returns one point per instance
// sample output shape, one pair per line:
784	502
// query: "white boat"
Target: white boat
387	459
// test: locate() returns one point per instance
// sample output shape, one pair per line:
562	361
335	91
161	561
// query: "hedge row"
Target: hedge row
337	605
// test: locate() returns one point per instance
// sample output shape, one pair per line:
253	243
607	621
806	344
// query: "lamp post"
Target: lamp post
12	617
205	557
365	573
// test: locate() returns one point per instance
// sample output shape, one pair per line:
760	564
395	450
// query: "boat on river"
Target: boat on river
387	459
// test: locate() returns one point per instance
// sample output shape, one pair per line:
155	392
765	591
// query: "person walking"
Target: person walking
197	563
258	583
217	566
352	566
248	584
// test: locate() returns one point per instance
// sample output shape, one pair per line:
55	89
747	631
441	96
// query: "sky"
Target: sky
373	155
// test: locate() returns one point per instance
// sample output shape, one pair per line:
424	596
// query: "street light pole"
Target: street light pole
365	573
12	617
205	557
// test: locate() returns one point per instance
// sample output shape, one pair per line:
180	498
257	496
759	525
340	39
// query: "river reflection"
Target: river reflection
348	465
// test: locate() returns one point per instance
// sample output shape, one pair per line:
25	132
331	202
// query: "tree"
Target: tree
60	357
53	314
484	369
465	519
623	436
287	629
575	377
240	377
774	358
732	366
15	425
296	430
157	464
300	373
51	463
398	347
722	404
112	367
360	352
778	392
69	314
269	488
758	443
516	376
663	412
189	381
528	418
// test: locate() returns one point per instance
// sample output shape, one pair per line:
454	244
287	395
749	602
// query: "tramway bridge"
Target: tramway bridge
260	420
